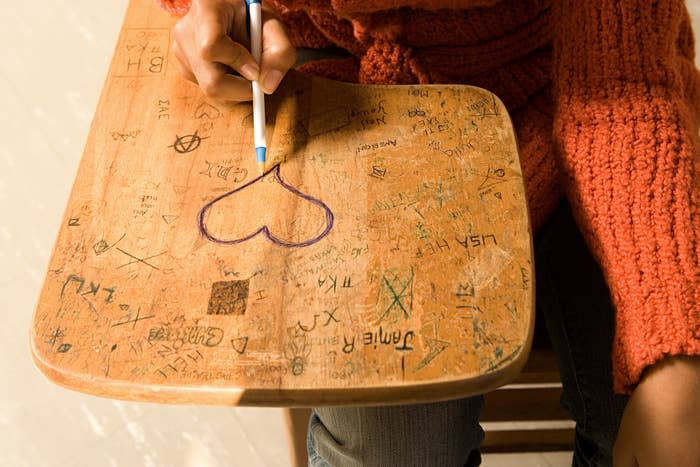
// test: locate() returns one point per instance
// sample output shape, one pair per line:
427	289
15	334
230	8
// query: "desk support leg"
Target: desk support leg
297	421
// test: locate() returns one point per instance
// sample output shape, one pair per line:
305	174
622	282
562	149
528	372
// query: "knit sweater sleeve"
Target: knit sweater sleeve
302	32
626	124
175	7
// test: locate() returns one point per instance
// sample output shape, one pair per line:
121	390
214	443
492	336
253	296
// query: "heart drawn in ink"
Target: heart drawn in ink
243	213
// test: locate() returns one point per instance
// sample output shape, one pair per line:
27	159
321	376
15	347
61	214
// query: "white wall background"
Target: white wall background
54	56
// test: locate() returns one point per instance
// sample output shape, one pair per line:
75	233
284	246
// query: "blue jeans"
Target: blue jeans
574	302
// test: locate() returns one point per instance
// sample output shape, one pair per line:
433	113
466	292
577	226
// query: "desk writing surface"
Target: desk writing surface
384	257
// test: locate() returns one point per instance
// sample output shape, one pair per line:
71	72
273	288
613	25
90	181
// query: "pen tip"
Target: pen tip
261	167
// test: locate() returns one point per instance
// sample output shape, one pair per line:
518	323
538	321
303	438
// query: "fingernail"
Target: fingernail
250	71
272	80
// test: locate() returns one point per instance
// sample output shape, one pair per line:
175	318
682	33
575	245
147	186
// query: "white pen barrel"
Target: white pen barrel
255	12
259	116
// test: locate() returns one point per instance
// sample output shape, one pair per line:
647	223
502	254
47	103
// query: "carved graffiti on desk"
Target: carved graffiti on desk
124	135
484	107
187	143
140	260
145	53
206	111
207	336
222	170
169	218
102	246
381	200
395	298
94	288
239	344
133	320
298	348
436	346
163	109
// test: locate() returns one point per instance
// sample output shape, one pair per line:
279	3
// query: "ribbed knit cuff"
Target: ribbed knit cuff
631	179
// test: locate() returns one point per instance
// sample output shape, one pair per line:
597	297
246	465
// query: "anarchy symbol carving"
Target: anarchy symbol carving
187	143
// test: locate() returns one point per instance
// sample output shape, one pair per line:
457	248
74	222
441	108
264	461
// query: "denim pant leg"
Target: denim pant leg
575	302
437	434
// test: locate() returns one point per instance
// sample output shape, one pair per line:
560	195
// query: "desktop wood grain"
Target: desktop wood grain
384	258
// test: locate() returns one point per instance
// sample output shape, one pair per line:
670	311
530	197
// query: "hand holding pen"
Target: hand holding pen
213	38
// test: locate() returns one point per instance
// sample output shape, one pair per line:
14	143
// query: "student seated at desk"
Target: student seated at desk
605	99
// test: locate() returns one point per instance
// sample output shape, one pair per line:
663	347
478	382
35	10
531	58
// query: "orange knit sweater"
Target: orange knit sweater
606	103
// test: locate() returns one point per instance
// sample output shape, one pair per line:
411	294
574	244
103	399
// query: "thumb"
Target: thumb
278	53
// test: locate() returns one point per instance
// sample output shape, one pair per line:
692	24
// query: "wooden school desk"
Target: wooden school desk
384	257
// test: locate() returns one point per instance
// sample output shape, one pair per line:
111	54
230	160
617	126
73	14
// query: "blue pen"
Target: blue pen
255	17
